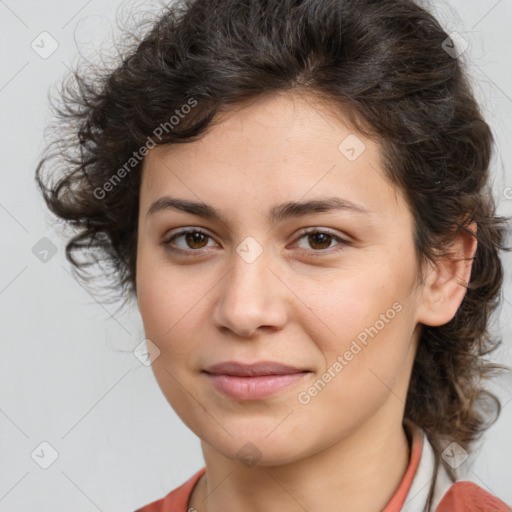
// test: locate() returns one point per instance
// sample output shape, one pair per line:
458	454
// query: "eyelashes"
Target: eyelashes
168	243
193	236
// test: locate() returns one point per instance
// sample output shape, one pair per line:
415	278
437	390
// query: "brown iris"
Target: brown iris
322	238
195	237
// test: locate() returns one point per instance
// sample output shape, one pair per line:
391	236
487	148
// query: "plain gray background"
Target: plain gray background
68	376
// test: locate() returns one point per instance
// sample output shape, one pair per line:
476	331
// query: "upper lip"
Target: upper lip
254	369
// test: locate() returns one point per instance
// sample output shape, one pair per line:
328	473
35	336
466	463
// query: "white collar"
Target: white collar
417	496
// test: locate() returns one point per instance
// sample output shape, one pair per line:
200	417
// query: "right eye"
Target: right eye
194	240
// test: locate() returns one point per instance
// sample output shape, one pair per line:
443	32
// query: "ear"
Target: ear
445	283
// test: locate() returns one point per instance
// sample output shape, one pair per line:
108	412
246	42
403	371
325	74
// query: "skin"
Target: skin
347	446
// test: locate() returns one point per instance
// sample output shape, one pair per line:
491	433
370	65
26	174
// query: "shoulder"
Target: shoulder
177	500
466	496
449	494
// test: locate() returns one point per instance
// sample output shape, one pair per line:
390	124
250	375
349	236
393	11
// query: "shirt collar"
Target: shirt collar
412	493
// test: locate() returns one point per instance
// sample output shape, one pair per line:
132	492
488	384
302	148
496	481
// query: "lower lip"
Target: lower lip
253	388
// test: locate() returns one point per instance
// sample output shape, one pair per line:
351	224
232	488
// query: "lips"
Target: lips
239	369
256	381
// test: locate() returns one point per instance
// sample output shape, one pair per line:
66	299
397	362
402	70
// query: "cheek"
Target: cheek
149	295
170	306
349	302
163	308
160	311
160	294
363	318
360	376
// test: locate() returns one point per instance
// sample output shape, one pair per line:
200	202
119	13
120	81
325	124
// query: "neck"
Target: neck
361	472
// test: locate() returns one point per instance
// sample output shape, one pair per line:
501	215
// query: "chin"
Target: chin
255	447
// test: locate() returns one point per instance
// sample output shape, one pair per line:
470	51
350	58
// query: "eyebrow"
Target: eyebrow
277	213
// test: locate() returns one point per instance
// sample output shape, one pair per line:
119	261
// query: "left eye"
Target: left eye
321	239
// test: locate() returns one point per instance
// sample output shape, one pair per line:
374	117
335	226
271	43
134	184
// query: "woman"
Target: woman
297	194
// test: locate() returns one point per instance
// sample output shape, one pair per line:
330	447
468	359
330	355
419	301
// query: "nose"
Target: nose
251	297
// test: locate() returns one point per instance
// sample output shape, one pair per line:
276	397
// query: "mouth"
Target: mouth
253	381
260	368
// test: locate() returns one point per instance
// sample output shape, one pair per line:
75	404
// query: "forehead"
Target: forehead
278	147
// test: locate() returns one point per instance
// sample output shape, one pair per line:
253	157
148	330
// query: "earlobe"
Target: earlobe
445	283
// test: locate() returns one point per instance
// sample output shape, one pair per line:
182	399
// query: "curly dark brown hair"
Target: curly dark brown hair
384	65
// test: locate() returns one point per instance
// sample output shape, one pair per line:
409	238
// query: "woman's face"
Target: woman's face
341	304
